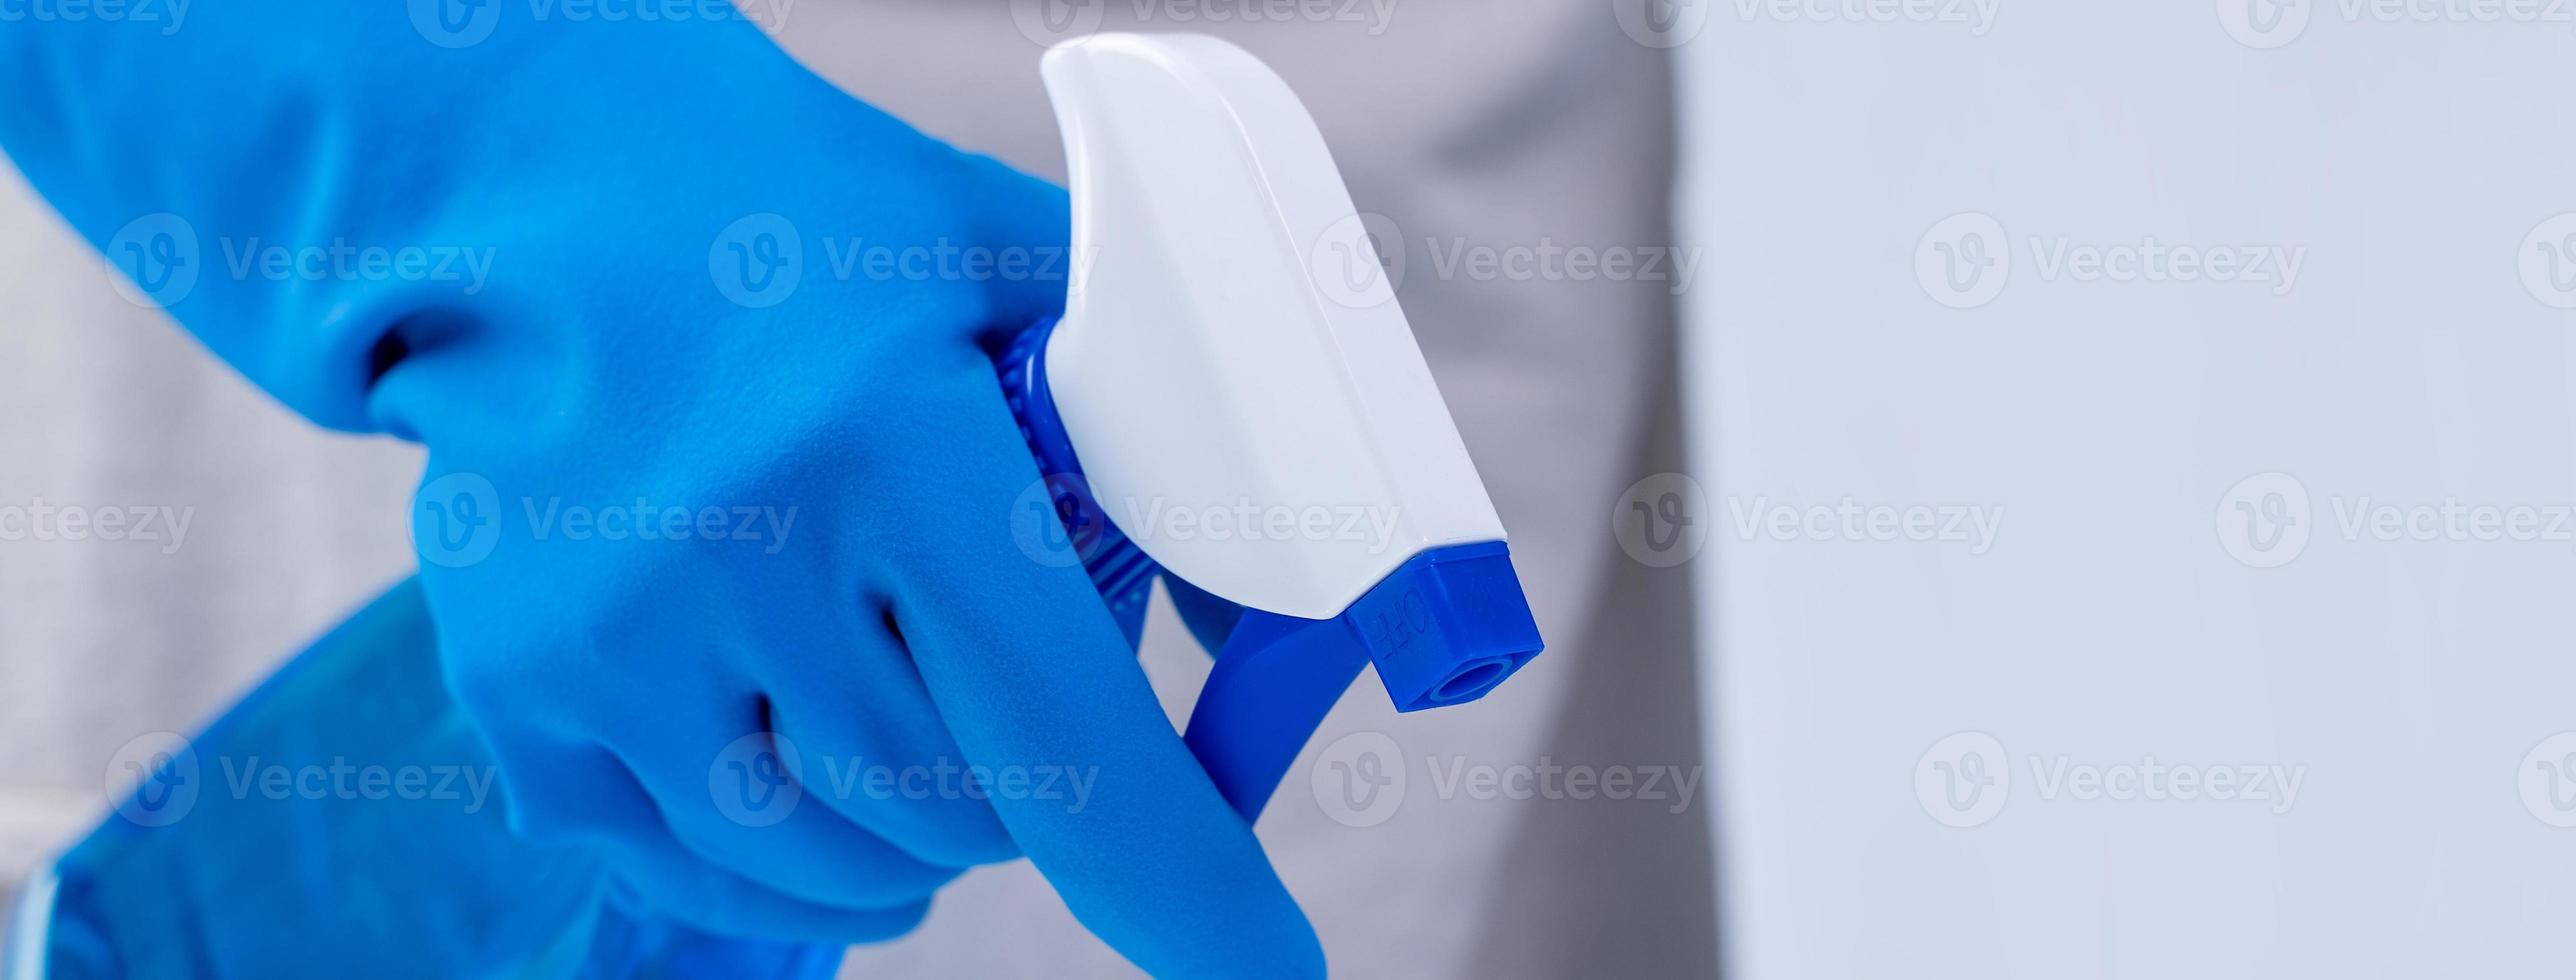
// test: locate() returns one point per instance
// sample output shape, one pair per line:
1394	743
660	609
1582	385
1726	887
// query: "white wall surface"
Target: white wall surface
2186	474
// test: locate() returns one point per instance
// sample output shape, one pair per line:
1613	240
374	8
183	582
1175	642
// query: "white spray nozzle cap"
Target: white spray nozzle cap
1243	390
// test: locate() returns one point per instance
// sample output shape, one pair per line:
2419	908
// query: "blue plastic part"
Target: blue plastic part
1444	628
1122	573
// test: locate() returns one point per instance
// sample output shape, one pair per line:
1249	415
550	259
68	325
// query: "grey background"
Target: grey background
2110	622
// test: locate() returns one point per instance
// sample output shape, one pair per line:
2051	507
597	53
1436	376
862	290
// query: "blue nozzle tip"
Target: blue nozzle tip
1447	626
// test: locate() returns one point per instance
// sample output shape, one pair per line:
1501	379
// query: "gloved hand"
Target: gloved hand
376	848
718	464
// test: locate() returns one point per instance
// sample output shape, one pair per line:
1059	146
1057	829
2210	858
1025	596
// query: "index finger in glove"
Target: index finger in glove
1032	676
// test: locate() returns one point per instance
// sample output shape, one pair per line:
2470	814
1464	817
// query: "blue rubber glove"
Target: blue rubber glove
377	849
718	463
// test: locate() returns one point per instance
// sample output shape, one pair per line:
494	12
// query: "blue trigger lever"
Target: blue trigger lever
1444	628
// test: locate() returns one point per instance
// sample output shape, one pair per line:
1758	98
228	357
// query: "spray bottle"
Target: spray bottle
1229	344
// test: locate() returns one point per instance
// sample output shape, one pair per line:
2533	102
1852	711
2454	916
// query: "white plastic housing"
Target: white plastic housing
1230	347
